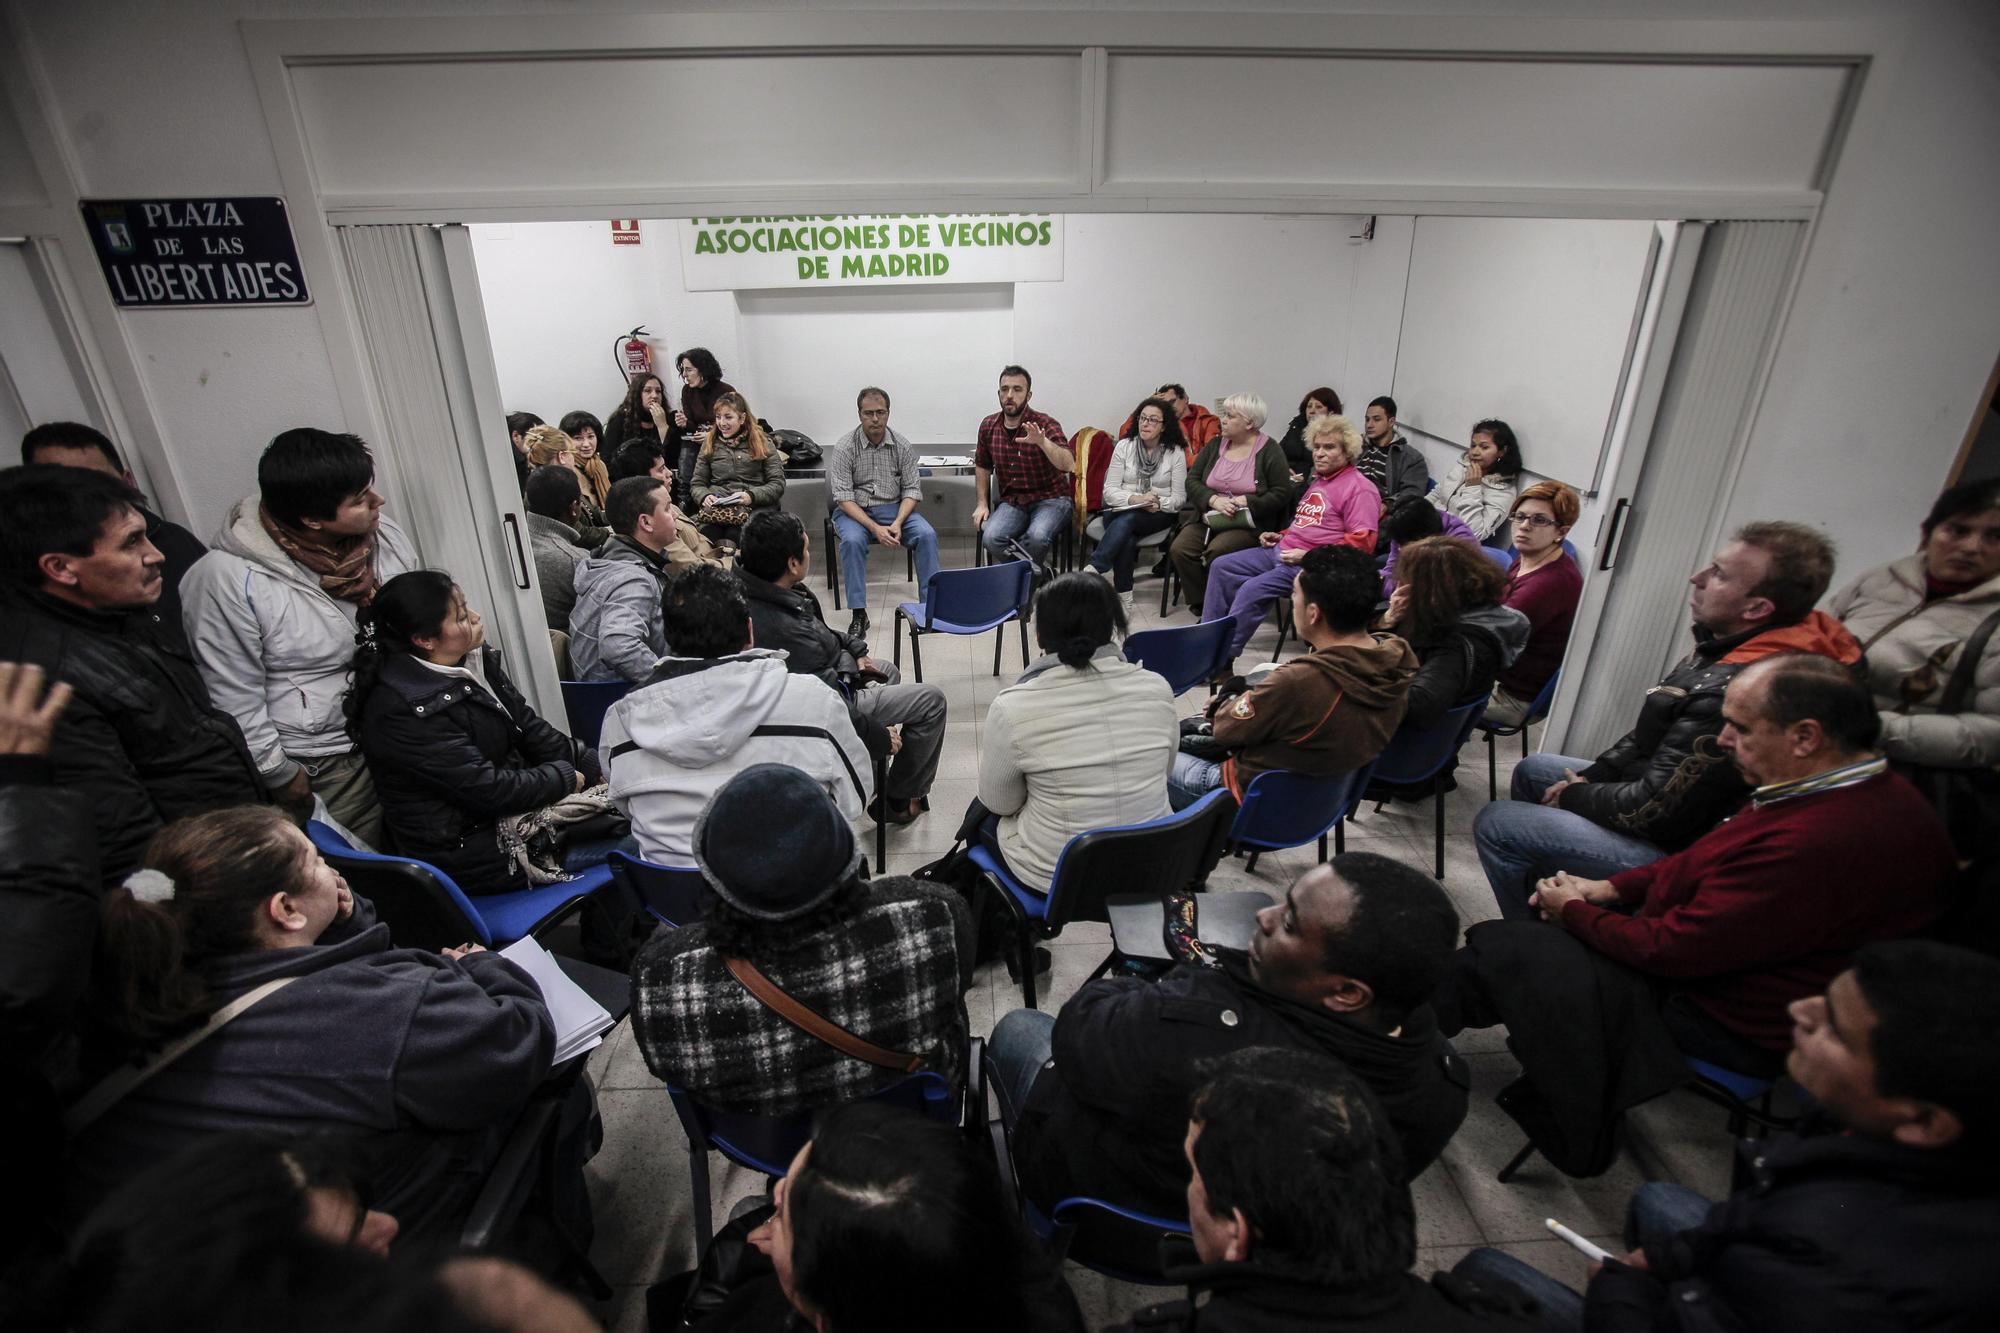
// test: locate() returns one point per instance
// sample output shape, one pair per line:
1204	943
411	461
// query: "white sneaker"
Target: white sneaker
1125	600
1104	574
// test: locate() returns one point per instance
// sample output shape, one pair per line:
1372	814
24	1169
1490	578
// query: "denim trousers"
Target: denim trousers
1118	549
855	540
1658	1210
1190	779
1040	522
1019	1049
1521	841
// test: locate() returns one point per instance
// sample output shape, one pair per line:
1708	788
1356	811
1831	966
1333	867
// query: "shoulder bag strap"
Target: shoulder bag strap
766	992
115	1086
1960	686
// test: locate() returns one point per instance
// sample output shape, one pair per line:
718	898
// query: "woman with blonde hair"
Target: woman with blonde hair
1339	504
1238	486
737	471
547	446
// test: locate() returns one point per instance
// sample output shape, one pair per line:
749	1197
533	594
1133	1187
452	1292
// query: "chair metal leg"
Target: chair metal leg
916	653
1339	837
704	1223
1516	1162
1023	621
1437	800
1027	952
882	824
1251	864
898	619
1322	848
1492	767
999	642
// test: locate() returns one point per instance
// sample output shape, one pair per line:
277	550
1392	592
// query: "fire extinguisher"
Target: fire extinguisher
633	356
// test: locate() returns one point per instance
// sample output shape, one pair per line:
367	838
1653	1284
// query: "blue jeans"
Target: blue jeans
1522	841
1118	549
855	541
1658	1210
1190	779
1040	521
1019	1049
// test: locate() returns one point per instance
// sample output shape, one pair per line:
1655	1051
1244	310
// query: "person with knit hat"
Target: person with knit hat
886	961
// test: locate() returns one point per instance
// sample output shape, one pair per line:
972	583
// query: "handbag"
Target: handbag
1966	799
814	1024
1224	522
723	516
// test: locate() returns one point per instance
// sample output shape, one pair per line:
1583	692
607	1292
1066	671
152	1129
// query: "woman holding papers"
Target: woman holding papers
305	1017
1143	491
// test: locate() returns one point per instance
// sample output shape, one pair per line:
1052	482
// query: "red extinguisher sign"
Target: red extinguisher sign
624	231
637	357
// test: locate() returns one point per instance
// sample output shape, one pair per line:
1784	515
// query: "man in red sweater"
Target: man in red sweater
1832	852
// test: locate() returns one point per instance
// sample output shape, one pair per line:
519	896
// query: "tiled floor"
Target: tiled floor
640	1181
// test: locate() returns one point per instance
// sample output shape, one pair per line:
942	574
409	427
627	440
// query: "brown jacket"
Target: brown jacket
1326	713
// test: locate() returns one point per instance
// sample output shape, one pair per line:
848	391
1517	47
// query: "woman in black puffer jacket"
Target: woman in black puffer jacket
452	745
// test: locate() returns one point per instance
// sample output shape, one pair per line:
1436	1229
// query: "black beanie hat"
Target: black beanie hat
773	845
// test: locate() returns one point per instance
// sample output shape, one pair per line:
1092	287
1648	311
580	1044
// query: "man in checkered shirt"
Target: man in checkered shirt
1027	457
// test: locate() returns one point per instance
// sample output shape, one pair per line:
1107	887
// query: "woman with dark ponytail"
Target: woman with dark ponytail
421	1057
1083	740
454	747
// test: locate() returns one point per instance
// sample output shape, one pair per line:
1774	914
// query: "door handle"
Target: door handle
521	579
1609	558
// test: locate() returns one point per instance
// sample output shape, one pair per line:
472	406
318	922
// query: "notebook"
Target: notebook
581	1022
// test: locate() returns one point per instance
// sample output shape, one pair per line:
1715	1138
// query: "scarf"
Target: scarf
1146	469
345	565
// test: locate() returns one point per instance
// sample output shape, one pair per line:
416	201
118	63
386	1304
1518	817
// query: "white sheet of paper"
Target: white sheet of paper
581	1022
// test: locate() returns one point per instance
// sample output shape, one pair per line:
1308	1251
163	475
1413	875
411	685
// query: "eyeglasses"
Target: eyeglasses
1535	520
1152	419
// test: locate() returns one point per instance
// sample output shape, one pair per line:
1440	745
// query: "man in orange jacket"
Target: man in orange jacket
1198	424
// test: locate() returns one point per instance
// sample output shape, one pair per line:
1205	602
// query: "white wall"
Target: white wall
1219	302
1879	367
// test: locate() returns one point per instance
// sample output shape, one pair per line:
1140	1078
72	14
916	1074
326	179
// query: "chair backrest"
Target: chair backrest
1545	698
1187	655
673	894
980	595
1093	449
1504	559
1413	755
585	701
425	909
1118	1242
1159	856
1284	809
768	1143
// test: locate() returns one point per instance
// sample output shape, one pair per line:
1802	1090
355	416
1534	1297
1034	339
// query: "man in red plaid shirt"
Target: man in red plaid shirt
1029	458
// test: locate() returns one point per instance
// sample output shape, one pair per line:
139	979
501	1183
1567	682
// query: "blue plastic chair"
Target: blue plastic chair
1105	1237
1187	655
969	601
1537	710
671	895
1157	857
1423	756
1503	558
425	909
767	1144
586	702
1747	1098
1283	809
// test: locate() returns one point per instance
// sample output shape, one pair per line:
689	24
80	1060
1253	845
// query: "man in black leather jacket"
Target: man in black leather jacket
141	740
773	560
1341	968
1883	1214
1666	782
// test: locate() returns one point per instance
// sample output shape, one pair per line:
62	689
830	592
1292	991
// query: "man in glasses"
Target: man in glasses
1666	782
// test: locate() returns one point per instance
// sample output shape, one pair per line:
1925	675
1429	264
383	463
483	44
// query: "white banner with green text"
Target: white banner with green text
721	254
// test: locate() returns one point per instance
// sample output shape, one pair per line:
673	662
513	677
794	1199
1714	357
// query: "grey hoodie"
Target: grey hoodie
616	630
274	650
670	745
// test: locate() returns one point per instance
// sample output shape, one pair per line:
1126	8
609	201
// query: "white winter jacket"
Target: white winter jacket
1912	650
669	745
1066	750
273	648
1482	506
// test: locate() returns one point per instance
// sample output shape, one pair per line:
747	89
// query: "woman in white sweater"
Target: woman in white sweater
1144	489
1082	741
1480	488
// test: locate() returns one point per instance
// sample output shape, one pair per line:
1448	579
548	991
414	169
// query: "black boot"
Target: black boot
858	625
